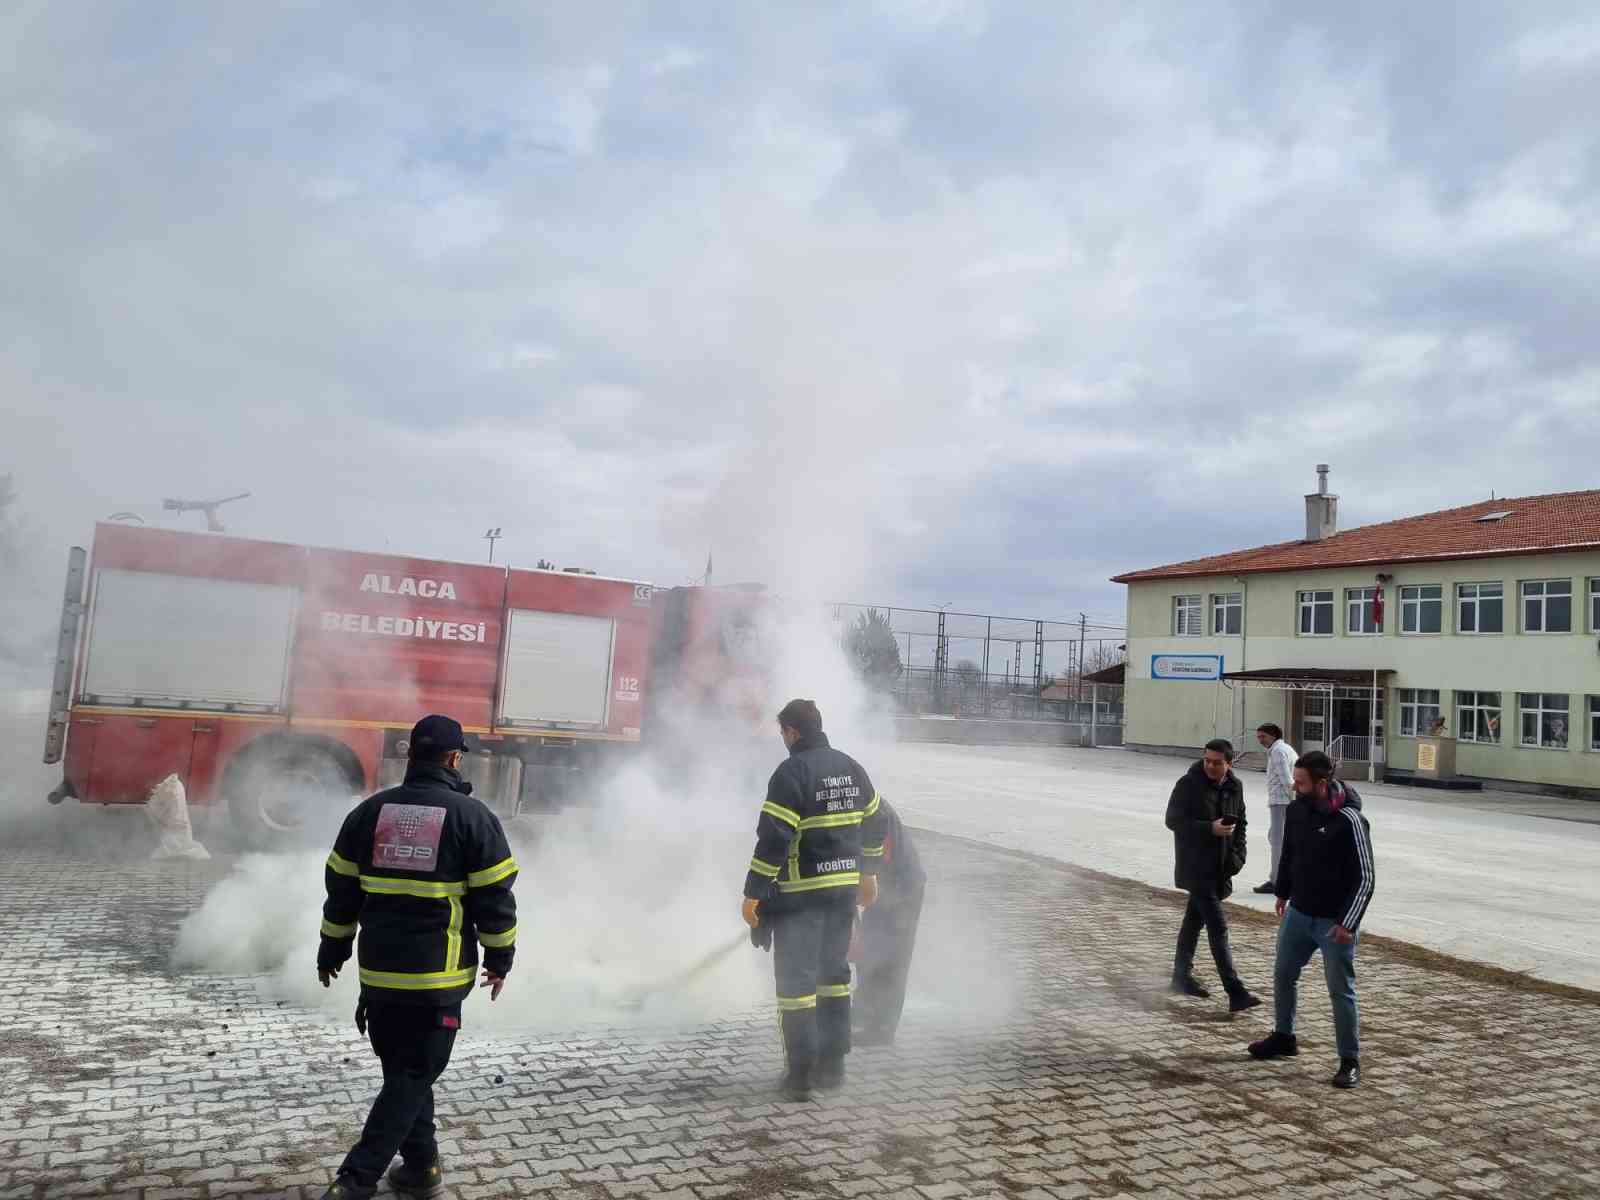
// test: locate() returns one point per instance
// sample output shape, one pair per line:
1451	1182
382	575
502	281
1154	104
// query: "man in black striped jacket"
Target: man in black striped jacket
425	873
819	845
1324	884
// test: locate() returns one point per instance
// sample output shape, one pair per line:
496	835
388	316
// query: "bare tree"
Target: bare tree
1101	656
26	640
10	536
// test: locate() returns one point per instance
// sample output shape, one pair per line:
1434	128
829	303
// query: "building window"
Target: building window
1227	614
1544	720
1547	606
1594	606
1419	709
1480	608
1422	609
1186	616
1316	614
1594	722
1359	617
1478	716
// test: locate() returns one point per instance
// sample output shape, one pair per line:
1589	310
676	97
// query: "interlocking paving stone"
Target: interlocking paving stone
117	1079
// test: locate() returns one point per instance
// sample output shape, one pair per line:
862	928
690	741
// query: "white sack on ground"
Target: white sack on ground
168	809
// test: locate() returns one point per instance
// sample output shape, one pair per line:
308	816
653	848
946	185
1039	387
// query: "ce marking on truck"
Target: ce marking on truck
641	595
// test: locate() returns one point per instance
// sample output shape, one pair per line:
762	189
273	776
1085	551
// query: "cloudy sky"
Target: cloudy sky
914	302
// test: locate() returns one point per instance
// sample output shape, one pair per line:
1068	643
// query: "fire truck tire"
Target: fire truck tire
281	791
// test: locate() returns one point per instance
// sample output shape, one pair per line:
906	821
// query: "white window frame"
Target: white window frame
1223	603
1477	599
1362	597
1191	605
1593	593
1543	596
1411	710
1475	703
1594	722
1311	606
1542	706
1414	604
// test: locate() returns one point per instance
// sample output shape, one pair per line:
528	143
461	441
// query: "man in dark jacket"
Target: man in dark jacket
425	872
819	840
1325	882
1206	816
888	935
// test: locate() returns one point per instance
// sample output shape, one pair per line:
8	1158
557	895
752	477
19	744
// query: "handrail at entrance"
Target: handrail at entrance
1349	747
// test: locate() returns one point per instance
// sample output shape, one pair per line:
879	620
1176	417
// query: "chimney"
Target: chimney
1322	510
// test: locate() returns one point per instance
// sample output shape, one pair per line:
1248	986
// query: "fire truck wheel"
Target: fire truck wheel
278	790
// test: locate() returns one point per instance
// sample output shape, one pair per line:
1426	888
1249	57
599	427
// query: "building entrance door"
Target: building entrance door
1352	713
1313	721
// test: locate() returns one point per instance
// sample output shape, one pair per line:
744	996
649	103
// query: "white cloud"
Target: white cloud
878	299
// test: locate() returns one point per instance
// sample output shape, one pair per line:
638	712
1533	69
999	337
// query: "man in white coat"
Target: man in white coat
1280	792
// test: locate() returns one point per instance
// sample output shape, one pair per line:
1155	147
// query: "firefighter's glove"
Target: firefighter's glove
760	931
361	1015
761	936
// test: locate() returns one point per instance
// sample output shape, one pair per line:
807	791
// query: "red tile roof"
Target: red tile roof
1536	525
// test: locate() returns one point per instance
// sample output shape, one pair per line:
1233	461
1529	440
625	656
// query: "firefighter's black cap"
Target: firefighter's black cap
436	734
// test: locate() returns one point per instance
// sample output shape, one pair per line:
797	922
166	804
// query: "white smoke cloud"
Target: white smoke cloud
622	894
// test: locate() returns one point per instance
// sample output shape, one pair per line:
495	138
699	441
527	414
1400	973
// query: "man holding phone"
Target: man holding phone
1207	819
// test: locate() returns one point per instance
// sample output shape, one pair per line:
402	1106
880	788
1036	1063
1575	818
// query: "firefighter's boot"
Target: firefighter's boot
829	1074
419	1183
345	1188
795	1086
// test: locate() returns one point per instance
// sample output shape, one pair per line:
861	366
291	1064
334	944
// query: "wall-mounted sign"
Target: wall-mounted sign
1186	666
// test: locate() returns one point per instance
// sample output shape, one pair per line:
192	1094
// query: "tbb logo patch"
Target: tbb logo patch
407	837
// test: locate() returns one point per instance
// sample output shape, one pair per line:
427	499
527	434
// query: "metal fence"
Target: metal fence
979	665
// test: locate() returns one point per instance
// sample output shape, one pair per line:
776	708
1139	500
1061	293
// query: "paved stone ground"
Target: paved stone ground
120	1078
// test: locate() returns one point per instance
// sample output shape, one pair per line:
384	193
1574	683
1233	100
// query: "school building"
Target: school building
1360	642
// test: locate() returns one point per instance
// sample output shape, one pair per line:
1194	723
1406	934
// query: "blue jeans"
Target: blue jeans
1299	937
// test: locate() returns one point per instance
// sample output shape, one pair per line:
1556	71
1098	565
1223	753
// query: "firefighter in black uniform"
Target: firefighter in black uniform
426	872
888	935
818	841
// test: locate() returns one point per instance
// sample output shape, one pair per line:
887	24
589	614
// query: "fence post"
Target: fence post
1094	715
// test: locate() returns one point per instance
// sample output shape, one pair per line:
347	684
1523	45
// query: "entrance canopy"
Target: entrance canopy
1332	708
1309	679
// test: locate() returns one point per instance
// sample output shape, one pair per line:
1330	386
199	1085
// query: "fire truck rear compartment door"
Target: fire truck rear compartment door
174	640
557	670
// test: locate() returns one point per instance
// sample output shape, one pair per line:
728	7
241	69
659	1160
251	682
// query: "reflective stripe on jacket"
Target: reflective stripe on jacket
425	872
820	827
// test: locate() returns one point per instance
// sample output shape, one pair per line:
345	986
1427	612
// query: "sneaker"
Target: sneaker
420	1183
1243	1002
828	1075
1349	1075
1275	1045
1185	985
794	1087
345	1188
1266	889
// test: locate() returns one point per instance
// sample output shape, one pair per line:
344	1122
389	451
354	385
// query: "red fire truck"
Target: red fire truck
265	675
